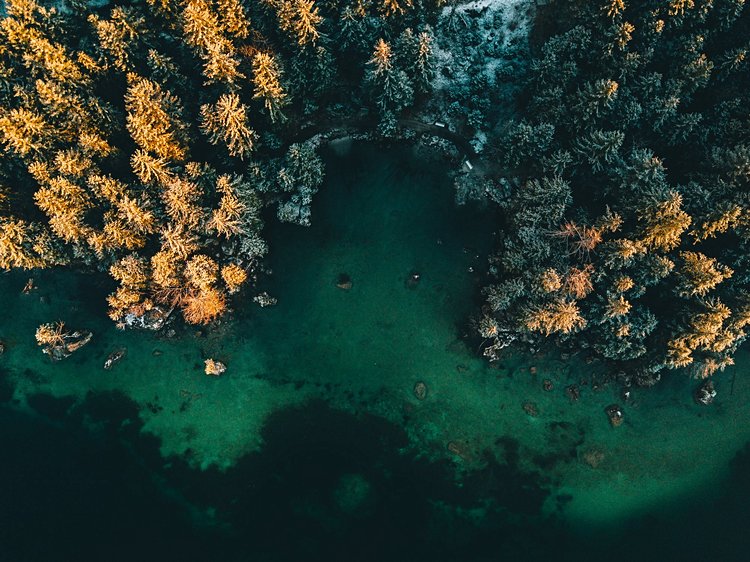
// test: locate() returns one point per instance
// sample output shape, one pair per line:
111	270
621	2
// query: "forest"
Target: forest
151	139
148	139
625	188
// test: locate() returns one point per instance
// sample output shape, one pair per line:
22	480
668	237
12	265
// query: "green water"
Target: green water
381	215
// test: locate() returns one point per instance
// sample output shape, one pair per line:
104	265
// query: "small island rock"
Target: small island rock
59	344
215	368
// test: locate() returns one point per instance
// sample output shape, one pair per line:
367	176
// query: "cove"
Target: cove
474	472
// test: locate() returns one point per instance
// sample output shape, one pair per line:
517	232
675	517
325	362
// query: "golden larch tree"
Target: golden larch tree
154	119
226	122
267	82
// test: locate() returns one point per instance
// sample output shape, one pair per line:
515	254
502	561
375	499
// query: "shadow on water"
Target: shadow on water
68	496
326	485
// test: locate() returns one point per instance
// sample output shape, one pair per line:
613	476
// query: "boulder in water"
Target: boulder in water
344	282
420	390
29	286
114	357
614	413
215	368
705	393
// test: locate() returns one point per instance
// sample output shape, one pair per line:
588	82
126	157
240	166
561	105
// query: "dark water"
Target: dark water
348	465
325	486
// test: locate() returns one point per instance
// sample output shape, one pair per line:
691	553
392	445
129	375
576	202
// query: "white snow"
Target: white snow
509	19
475	38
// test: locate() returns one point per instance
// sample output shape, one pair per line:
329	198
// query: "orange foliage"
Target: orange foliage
203	306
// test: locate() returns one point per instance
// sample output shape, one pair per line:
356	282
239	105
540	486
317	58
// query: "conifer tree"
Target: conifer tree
24	131
391	87
395	7
203	31
641	124
226	122
154	119
85	92
267	82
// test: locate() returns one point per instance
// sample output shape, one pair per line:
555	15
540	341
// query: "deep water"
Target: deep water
313	446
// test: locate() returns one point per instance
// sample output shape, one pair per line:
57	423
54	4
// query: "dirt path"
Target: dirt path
337	128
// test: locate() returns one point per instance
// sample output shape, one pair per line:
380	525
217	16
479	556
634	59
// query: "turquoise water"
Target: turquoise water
313	445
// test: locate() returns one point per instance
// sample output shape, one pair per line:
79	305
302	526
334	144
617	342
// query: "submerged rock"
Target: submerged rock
502	340
77	340
114	357
215	368
420	390
573	392
531	409
705	393
353	494
547	385
413	280
460	449
2	347
344	282
646	378
614	413
593	457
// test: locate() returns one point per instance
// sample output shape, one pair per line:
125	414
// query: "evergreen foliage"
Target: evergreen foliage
628	233
146	139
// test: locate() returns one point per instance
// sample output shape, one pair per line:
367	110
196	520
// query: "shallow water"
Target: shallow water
313	445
